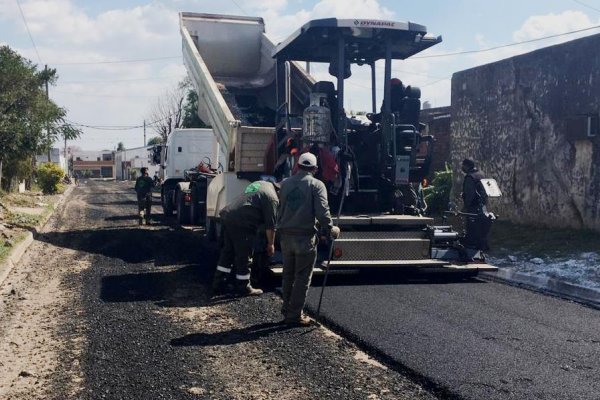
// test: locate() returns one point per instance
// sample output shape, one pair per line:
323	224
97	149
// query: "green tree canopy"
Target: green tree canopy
120	146
155	140
29	122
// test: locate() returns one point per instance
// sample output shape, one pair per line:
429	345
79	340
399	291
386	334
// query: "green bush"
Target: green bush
49	176
437	195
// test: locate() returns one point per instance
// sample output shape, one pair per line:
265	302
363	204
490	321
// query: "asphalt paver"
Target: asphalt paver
471	338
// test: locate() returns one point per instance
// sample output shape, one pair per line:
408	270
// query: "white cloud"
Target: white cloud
545	25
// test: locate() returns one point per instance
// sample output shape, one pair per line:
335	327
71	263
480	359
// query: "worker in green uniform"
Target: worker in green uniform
303	204
240	220
143	188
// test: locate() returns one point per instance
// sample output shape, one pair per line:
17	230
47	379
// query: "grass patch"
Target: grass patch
24	220
6	247
508	238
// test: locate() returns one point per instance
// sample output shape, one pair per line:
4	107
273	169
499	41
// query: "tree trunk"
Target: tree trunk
0	173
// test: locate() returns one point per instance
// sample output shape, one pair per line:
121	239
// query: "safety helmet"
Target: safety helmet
308	160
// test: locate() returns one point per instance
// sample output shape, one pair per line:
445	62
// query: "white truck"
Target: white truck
256	97
184	150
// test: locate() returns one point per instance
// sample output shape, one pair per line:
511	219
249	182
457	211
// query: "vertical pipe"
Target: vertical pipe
341	123
388	77
288	86
373	88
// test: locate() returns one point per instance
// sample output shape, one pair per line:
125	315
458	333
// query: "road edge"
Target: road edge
545	285
19	250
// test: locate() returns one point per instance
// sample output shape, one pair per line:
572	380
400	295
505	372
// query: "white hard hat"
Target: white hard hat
308	160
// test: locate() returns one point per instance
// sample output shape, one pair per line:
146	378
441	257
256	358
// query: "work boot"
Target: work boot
219	283
302	320
244	288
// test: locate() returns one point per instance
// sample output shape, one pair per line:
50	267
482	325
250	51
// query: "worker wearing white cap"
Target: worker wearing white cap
303	205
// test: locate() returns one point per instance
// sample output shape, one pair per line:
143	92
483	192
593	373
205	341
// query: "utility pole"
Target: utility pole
144	132
47	98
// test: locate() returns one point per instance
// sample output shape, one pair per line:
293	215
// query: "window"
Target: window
179	149
106	157
78	159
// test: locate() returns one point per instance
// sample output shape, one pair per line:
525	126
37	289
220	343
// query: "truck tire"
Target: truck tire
211	229
166	204
183	211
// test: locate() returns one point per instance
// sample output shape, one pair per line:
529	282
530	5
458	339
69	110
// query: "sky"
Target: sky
88	42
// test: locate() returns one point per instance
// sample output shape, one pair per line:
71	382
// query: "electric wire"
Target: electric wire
238	6
135	60
587	5
28	31
503	45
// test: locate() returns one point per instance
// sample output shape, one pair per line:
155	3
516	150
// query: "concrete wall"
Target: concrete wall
521	120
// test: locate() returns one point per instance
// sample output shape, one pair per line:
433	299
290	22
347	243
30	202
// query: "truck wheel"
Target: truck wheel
211	230
183	212
166	205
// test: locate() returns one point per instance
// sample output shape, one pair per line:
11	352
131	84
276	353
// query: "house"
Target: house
129	162
94	164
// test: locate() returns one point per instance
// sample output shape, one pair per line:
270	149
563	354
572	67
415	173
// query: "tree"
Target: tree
177	108
167	113
120	146
29	122
155	140
190	111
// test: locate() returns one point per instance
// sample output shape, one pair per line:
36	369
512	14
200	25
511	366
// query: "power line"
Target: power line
29	32
504	45
586	5
238	6
118	61
105	95
122	80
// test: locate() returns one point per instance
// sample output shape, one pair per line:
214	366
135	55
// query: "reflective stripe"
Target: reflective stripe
243	277
223	269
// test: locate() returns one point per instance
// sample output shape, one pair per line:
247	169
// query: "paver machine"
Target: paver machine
372	170
265	109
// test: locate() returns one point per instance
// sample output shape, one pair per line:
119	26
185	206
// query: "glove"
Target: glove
335	232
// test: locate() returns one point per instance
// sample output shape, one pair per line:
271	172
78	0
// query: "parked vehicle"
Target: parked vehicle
186	151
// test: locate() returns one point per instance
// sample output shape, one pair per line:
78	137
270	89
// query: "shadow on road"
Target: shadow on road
233	336
181	287
399	276
163	246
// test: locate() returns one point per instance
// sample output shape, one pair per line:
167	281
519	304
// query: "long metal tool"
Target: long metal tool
318	313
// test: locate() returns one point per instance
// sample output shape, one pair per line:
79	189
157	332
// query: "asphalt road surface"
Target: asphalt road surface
101	308
475	339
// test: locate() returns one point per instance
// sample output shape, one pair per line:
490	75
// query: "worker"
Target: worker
143	188
240	220
478	220
473	194
303	204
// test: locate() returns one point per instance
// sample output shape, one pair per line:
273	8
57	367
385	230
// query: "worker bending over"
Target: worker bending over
303	204
240	220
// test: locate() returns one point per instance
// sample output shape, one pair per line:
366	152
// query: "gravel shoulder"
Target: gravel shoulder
102	308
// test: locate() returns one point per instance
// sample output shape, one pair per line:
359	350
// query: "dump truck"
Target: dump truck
265	109
188	161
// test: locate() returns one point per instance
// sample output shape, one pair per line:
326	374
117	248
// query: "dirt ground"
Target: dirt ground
100	308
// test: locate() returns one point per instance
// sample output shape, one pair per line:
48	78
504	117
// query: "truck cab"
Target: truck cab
185	149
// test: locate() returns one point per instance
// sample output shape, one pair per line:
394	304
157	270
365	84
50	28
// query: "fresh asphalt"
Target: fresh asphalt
471	339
